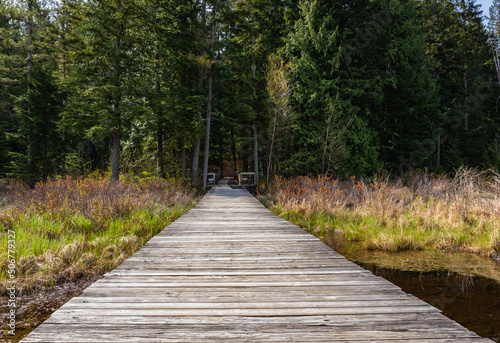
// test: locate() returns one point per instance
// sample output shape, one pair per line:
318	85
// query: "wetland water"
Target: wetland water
465	287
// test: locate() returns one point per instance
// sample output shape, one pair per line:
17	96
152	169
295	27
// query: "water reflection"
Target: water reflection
464	286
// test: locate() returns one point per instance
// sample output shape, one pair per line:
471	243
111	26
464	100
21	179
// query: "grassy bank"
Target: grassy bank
422	212
73	228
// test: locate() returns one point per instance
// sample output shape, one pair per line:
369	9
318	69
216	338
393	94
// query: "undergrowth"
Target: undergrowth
421	212
73	228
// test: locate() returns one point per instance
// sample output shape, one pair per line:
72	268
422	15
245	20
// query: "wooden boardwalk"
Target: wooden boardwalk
230	270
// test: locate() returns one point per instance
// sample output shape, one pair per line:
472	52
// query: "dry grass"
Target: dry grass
423	212
72	228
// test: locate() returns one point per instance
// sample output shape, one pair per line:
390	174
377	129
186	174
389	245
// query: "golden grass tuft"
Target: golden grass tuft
72	251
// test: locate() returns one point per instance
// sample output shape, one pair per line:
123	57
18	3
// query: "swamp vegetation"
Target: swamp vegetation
69	229
422	212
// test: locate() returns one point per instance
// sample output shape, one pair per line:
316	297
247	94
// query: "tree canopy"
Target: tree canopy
282	87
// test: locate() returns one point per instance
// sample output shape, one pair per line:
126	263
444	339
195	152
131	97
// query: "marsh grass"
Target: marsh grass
72	228
421	212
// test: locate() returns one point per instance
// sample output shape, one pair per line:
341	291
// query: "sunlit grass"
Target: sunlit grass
73	228
422	212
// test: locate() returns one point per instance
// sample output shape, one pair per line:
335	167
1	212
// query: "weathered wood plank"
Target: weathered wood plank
242	326
165	335
253	291
156	272
263	312
362	320
235	297
140	303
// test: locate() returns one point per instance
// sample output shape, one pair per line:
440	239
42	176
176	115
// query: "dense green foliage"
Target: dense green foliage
130	86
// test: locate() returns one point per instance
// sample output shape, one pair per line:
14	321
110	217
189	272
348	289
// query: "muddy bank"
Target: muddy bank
35	307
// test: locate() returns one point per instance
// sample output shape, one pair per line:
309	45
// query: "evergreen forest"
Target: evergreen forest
173	88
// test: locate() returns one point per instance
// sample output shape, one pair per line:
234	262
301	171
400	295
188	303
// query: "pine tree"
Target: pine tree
45	103
494	41
476	63
315	54
252	43
457	44
64	41
36	97
109	66
12	75
182	61
407	117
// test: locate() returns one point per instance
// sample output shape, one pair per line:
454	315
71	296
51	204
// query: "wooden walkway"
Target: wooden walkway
230	270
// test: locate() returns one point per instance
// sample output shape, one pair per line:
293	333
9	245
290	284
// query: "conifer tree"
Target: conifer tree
109	65
315	54
177	45
32	106
477	73
12	75
457	43
408	116
45	104
252	42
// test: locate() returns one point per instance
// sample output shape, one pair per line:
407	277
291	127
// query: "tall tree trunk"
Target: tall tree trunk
256	151
207	136
255	133
496	58
63	47
115	162
209	103
233	151
325	146
63	150
221	160
271	149
466	112
159	153
159	143
254	67
439	150
196	153
195	161
183	157
115	165
30	72
30	41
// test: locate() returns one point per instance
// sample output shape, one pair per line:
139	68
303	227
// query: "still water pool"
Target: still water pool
465	287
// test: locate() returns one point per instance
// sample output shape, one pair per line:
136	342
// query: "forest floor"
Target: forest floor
422	212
